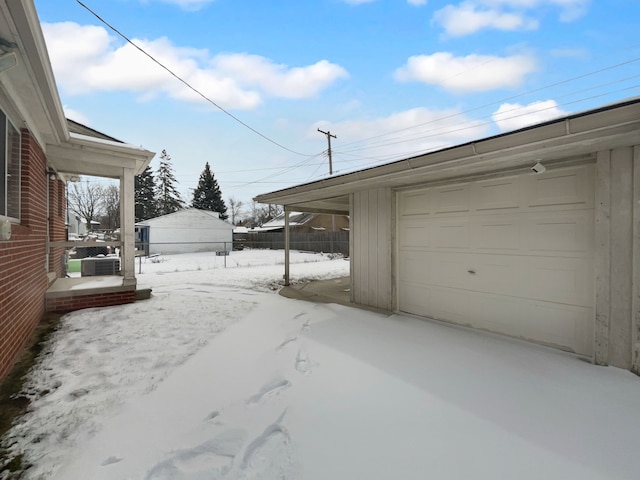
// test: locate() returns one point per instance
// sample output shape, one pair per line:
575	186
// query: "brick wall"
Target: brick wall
77	302
23	274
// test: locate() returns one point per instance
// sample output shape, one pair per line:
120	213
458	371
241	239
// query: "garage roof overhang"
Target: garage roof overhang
577	136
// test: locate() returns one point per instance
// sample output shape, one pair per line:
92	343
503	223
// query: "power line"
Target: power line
187	84
513	97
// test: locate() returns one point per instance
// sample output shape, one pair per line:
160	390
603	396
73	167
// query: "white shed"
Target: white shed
185	231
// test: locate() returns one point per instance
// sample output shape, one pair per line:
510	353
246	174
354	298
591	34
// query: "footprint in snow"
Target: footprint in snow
269	390
110	461
303	365
285	342
269	454
211	459
212	416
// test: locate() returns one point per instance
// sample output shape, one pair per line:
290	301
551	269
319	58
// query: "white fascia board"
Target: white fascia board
576	135
33	72
84	155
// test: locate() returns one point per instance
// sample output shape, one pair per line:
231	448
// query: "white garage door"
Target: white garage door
512	255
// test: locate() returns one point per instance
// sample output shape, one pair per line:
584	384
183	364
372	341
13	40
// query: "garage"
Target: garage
510	254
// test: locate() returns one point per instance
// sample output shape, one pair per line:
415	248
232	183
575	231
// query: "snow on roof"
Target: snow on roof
295	218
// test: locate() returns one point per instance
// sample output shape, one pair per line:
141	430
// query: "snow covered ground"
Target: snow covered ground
217	376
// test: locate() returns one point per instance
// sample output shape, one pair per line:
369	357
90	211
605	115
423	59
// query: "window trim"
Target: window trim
5	165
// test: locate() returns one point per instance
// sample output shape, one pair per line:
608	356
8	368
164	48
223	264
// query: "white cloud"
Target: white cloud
473	73
75	115
86	59
468	18
417	3
278	80
569	9
416	131
511	116
509	15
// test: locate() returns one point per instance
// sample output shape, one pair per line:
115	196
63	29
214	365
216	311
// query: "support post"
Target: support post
127	226
286	246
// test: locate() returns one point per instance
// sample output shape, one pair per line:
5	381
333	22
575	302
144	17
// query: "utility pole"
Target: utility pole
328	134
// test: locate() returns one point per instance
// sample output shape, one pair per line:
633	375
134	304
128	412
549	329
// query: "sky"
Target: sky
269	387
246	84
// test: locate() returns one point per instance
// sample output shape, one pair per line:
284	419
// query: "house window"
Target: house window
9	168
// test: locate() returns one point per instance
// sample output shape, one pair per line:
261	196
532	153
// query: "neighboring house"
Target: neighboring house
472	235
77	226
303	222
185	231
39	154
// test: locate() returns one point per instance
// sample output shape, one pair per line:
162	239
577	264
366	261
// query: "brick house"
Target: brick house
39	154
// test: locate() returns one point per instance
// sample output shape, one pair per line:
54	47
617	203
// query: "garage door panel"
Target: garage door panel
564	326
498	274
498	194
489	274
562	280
451	199
451	234
565	187
518	260
415	234
416	299
560	232
416	203
502	233
416	268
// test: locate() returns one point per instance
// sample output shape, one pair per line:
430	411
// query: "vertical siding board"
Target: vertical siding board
373	250
621	257
384	268
352	293
602	261
635	302
365	245
358	250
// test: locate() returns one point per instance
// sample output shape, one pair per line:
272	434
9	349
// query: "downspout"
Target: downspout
286	246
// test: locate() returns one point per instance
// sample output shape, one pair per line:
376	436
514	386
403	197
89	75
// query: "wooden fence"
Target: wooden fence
327	242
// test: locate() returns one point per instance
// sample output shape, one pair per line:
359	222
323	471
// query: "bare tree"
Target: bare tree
261	214
235	207
85	200
111	206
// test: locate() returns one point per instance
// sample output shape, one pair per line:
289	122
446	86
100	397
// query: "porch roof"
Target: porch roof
29	85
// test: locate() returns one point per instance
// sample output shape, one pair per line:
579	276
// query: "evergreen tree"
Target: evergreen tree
145	198
167	195
207	195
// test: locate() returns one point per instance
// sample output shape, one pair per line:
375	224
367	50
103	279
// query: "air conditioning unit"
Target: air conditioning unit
95	266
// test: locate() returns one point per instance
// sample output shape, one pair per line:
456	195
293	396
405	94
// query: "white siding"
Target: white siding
188	231
617	339
371	221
